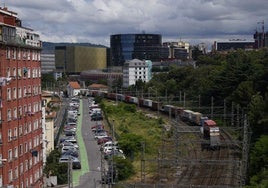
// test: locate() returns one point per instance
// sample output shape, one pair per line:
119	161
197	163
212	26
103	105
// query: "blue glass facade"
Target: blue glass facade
140	46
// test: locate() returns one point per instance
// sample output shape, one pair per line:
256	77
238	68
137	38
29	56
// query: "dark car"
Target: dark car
75	161
97	118
73	153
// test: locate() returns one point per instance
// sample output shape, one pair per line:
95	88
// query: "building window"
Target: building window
29	72
21	168
8	72
8	53
25	147
26	165
10	155
24	91
19	92
28	54
14	93
21	150
15	113
10	178
15	132
14	72
25	129
9	115
14	53
18	53
8	94
19	72
16	173
24	56
29	91
16	152
20	111
20	130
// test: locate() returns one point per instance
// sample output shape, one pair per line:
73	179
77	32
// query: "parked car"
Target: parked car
62	139
69	133
97	117
67	148
100	135
75	161
115	153
104	140
73	153
108	144
66	143
96	127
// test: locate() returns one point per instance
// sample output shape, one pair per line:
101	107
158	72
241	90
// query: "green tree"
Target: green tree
259	163
130	143
124	168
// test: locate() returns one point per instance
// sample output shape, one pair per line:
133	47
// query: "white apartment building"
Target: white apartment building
134	70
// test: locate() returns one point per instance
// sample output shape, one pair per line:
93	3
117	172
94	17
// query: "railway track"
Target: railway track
201	167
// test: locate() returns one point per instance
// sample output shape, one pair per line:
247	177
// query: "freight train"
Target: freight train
208	127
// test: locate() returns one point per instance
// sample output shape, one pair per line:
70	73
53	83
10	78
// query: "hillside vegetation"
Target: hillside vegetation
237	79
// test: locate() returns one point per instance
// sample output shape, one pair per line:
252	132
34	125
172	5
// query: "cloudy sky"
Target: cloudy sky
94	21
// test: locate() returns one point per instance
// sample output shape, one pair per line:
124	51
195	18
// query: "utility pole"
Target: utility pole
70	178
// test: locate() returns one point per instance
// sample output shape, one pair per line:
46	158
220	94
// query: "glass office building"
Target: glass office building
136	46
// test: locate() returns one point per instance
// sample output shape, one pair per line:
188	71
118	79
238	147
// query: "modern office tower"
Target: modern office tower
21	156
75	59
125	47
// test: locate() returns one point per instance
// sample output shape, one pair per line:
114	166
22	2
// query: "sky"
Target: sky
93	21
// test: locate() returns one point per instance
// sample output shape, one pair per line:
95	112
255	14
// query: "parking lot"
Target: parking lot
82	138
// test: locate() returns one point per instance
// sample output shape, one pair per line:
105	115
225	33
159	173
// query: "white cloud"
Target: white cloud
95	20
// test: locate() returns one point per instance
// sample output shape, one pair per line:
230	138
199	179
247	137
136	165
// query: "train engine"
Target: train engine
211	132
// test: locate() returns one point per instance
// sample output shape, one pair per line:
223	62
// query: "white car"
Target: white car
100	135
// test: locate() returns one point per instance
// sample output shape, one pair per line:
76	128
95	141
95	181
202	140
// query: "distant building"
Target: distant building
124	47
73	89
178	50
233	44
261	39
135	70
47	63
75	59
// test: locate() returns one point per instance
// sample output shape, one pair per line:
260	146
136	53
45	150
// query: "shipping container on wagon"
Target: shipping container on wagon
141	102
120	97
127	98
111	96
156	105
134	100
196	118
147	103
186	115
167	108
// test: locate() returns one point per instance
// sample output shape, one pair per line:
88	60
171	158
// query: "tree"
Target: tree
259	163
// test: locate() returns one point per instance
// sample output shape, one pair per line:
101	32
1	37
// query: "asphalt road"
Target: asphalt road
90	179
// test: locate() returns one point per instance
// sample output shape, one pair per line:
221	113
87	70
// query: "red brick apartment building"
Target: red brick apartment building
21	156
